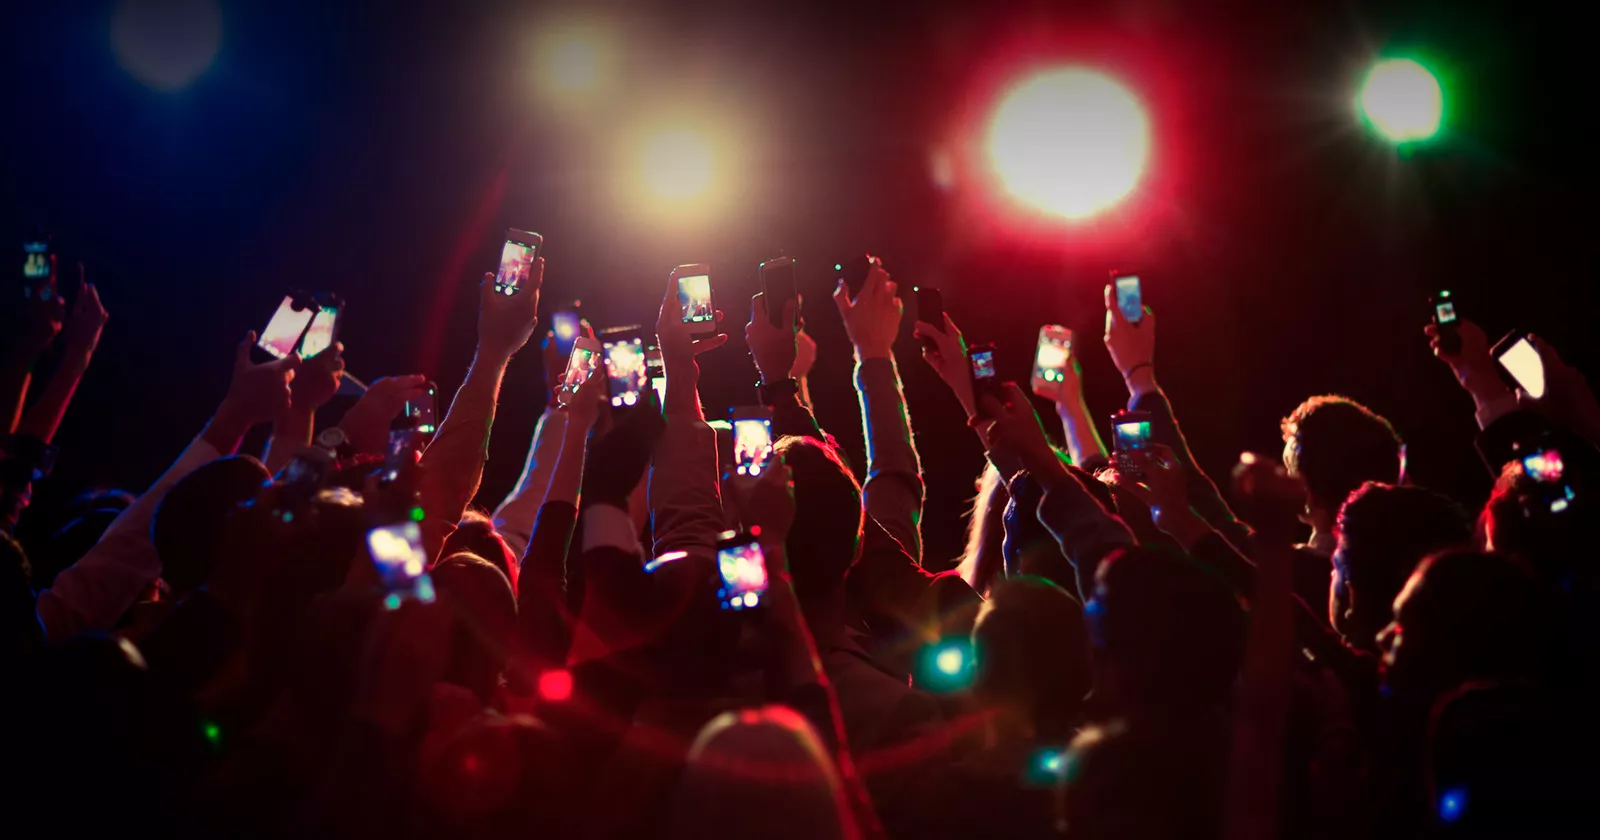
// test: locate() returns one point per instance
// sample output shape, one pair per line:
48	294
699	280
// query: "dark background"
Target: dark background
378	149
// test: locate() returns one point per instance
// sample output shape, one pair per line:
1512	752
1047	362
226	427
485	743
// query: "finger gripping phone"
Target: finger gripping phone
778	287
743	569
984	378
930	307
324	327
694	296
1446	319
518	256
580	366
420	415
752	439
853	273
1051	359
1130	433
288	325
1520	364
1130	299
626	368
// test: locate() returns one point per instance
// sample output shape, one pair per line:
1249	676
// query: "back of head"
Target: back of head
982	559
1136	781
1033	654
1165	628
483	620
476	534
1336	444
1384	531
188	527
826	532
760	773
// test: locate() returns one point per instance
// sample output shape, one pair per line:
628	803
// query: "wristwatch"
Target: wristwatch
333	441
771	392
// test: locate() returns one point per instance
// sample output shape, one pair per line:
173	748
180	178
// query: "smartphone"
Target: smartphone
403	446
421	414
930	307
984	378
1129	298
324	327
752	439
1050	360
1545	466
694	295
402	566
778	287
1446	319
853	273
581	365
625	365
287	327
743	568
517	258
1520	362
1131	430
567	326
38	282
657	369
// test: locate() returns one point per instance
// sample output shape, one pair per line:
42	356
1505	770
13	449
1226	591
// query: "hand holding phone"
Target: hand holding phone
1130	433
1447	323
694	296
743	569
778	288
985	380
1052	361
518	255
581	365
288	325
1130	298
752	439
930	311
626	367
323	329
853	273
1520	363
420	413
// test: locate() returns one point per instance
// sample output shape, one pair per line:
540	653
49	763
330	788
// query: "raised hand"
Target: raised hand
318	379
506	322
1473	366
555	364
1161	487
775	349
872	320
586	403
1567	399
946	352
618	459
87	319
259	393
1011	431
366	424
1132	347
672	334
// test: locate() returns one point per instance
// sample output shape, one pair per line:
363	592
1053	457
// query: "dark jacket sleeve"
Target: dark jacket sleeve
1203	494
901	601
1086	531
790	417
544	616
1496	444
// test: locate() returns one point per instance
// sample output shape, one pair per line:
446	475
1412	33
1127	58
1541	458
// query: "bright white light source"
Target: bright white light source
1402	100
950	661
677	164
572	60
1070	142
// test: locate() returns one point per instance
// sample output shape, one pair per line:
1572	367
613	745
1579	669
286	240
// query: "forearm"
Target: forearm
452	465
227	428
684	489
893	492
1083	439
14	379
1202	492
683	386
514	518
1086	531
43	418
291	433
567	477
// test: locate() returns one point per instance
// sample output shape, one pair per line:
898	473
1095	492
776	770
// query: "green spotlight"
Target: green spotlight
1402	101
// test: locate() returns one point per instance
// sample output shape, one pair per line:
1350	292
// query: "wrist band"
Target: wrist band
1136	367
771	392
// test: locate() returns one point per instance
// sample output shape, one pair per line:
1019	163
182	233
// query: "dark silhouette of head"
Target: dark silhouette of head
1168	635
1335	444
982	560
1029	547
826	533
476	534
1465	616
188	526
22	634
483	623
84	521
1032	655
1383	532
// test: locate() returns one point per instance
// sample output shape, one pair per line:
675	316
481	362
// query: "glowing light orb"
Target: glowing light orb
677	164
573	60
556	686
166	43
950	661
1070	142
1402	100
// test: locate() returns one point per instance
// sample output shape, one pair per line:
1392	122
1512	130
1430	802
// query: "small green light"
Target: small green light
417	514
213	733
391	601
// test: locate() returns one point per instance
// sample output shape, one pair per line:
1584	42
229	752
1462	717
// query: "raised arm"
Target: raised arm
1077	426
685	495
314	384
453	462
39	324
893	491
94	592
82	335
515	515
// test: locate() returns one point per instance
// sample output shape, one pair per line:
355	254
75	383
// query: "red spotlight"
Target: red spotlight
1070	142
556	686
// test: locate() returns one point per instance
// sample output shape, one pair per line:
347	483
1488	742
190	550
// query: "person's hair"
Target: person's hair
760	773
476	534
1476	615
1383	532
483	613
983	558
188	526
1167	627
1032	652
1335	444
826	532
